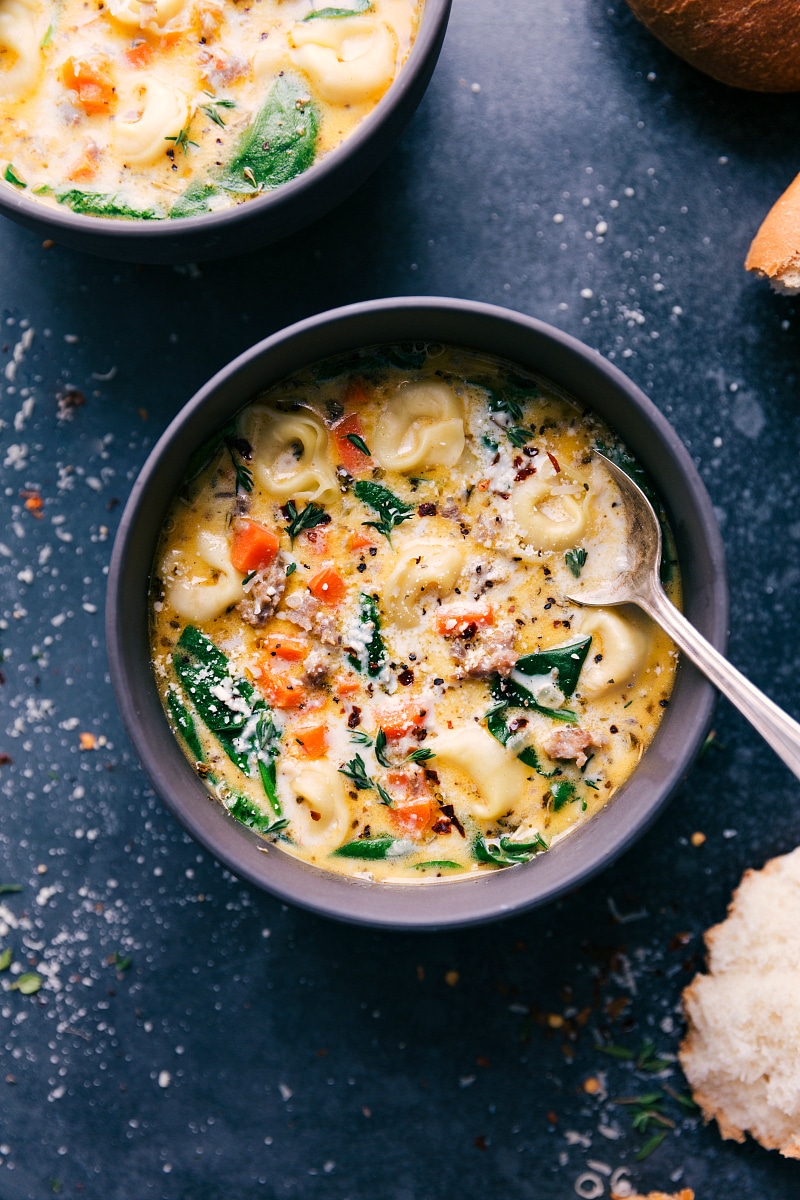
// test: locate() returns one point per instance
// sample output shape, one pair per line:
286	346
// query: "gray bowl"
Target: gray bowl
275	215
571	366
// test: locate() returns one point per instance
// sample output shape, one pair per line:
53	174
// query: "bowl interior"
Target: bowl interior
594	383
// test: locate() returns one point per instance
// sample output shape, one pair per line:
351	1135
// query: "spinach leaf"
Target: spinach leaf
184	723
563	792
195	199
503	852
439	864
243	810
359	6
567	660
496	724
391	511
376	651
99	204
365	848
202	668
11	176
507	692
280	144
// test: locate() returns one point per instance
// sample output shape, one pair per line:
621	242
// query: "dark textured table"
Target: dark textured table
564	164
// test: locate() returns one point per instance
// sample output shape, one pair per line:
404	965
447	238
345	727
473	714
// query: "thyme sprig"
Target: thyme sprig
356	771
307	518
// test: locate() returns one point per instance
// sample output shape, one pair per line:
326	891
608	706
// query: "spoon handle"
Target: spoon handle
777	728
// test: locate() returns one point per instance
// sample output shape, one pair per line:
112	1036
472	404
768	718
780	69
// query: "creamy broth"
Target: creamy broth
362	590
155	108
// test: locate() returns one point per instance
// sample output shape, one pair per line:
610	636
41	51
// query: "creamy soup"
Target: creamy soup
170	108
360	625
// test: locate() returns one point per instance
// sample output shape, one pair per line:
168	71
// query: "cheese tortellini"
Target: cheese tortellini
423	569
547	519
159	113
421	425
624	643
348	59
498	776
21	60
290	454
203	584
144	14
320	818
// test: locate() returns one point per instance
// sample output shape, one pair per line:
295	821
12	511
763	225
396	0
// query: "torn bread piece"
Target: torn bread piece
741	1055
775	250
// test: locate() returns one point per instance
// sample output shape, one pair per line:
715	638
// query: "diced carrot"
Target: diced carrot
254	546
358	541
454	622
352	459
289	648
347	685
139	54
85	167
168	40
282	691
412	818
328	586
90	79
399	722
355	392
312	741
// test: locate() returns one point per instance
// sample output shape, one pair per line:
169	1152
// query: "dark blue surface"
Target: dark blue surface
307	1059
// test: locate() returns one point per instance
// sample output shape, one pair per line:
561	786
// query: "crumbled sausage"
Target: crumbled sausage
264	593
569	743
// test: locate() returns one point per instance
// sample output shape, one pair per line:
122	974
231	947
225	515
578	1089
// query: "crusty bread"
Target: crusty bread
745	43
742	1052
775	252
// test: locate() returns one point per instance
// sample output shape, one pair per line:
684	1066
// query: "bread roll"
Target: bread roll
745	43
775	252
683	1194
742	1052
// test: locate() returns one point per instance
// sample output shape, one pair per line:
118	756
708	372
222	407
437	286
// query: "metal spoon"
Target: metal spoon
641	585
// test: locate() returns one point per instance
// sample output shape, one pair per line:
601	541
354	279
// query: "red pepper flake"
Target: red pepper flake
524	473
554	461
480	1142
68	401
5	760
427	510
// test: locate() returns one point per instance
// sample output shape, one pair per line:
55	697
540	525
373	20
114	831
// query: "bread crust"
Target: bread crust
683	1194
693	1049
751	44
775	250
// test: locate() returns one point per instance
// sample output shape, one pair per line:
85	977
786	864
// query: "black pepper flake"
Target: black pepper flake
373	550
438	682
362	566
663	703
613	729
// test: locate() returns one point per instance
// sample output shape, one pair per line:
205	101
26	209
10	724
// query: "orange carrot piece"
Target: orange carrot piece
358	541
313	741
254	546
347	686
89	78
454	622
399	722
139	54
289	648
352	459
328	586
86	166
282	691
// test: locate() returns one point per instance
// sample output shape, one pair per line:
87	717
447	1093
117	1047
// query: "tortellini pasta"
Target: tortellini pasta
423	568
624	643
159	113
421	425
547	519
347	59
21	60
144	14
320	818
201	585
290	454
498	776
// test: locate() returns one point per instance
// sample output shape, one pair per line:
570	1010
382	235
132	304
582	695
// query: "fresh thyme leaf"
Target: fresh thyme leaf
360	738
420	756
212	108
27	984
489	444
380	749
181	139
575	560
356	771
122	961
359	443
250	575
621	1052
391	511
290	570
384	795
5	959
212	113
244	476
313	514
649	1146
7	888
518	435
365	848
11	176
